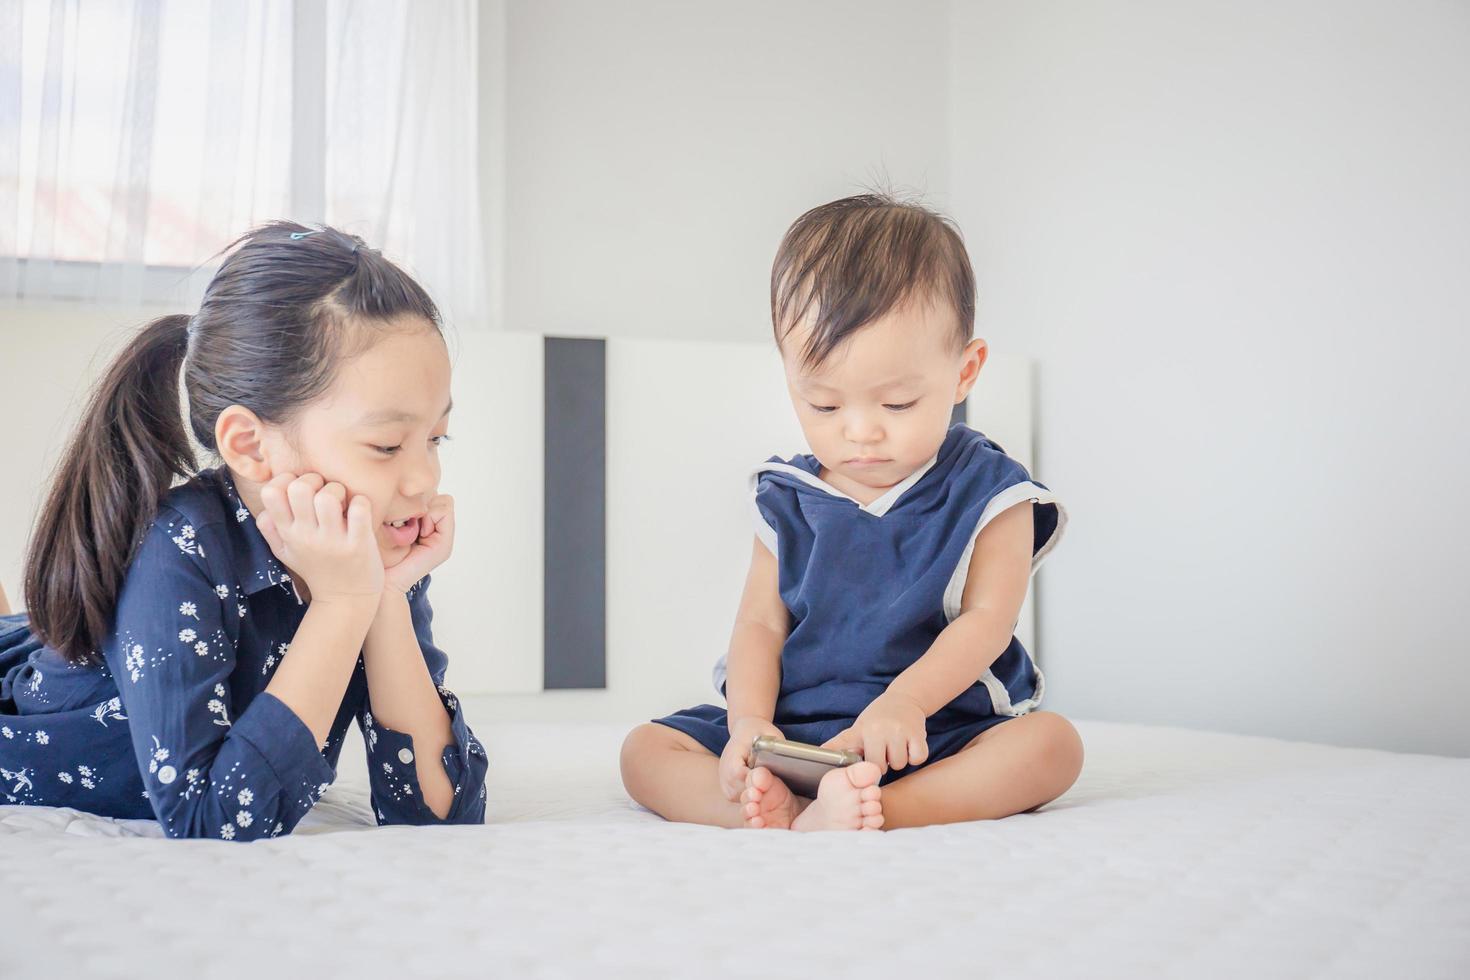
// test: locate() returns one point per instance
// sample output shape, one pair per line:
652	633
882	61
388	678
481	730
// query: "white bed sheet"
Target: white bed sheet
1179	854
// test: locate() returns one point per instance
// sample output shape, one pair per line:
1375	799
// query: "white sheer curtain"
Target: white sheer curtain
139	138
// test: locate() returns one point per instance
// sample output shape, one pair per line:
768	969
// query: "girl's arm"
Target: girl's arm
206	772
404	699
425	763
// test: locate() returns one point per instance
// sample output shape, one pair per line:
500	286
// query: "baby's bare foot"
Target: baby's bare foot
847	799
768	801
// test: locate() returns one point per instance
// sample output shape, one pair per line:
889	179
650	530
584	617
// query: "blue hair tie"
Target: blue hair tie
296	236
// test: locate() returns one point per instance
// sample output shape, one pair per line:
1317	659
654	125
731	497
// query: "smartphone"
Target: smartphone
799	765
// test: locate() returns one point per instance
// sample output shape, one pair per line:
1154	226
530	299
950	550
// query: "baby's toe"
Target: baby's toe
863	774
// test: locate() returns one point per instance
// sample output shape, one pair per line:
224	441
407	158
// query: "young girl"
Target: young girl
889	566
196	654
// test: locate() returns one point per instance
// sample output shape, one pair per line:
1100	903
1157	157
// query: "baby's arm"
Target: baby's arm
753	666
890	731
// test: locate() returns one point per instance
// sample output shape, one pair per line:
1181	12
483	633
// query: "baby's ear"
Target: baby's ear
972	359
239	437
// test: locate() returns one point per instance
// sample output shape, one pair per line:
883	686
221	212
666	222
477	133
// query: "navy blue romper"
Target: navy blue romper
175	723
870	588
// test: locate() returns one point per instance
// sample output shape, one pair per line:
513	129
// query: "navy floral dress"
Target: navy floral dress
175	724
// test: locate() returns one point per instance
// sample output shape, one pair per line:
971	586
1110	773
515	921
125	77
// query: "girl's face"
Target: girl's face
377	431
878	408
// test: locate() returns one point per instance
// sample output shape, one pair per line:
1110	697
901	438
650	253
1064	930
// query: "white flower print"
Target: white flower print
187	636
42	738
201	648
227	832
217	707
84	770
5	730
189	609
159	755
35	681
241	609
22	780
86	782
134	662
270	661
244	819
192	775
246	797
388	767
65	777
242	515
223	591
113	708
320	790
185	540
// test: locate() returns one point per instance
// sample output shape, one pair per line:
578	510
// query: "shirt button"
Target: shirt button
405	756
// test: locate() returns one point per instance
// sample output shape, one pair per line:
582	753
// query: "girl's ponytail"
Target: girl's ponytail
128	448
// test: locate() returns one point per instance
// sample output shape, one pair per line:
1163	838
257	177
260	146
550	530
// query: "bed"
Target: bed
1178	853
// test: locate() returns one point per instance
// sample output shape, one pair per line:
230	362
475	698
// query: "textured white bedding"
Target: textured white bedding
1178	854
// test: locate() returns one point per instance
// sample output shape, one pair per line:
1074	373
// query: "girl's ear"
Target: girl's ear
239	435
972	359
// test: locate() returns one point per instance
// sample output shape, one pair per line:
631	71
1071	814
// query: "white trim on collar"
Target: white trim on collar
877	508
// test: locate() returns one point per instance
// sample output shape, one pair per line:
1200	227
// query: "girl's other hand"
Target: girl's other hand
432	549
322	537
735	760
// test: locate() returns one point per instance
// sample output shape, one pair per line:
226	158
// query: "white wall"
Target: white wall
1236	238
656	151
49	356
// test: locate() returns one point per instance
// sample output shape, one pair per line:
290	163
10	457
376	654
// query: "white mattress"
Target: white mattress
1177	854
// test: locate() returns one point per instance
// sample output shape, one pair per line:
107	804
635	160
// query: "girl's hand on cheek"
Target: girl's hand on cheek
321	536
434	544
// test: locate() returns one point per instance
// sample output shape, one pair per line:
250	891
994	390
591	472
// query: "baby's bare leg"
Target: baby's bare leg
1016	766
676	777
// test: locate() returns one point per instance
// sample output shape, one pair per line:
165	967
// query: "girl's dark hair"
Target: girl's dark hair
850	262
286	306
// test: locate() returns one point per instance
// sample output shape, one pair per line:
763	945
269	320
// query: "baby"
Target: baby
889	565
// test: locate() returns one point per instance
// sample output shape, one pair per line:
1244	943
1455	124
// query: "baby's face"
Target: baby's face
878	408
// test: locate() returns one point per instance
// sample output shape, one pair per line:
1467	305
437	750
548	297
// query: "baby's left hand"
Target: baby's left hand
435	542
890	732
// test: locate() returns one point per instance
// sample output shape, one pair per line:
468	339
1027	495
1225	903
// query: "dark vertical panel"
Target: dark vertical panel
576	513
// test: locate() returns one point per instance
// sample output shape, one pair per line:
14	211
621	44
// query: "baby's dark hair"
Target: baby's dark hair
287	305
848	263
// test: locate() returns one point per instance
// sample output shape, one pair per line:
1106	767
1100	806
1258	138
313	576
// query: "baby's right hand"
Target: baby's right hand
735	760
336	553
